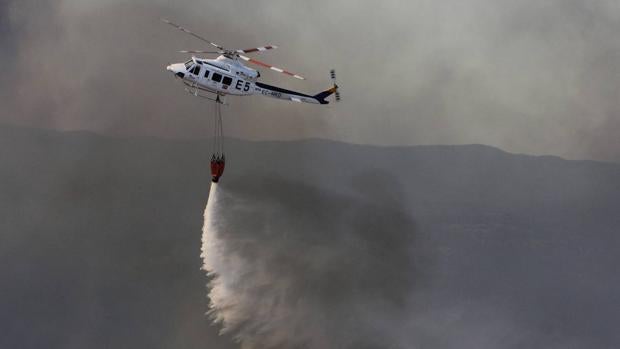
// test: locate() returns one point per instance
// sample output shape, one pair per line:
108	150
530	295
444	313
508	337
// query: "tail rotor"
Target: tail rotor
332	74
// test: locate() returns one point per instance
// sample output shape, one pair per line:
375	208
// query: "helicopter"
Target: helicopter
227	75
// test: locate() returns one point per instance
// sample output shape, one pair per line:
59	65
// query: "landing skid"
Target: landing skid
196	92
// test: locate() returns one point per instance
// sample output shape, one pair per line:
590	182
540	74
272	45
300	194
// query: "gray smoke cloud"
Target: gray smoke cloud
457	247
300	268
297	266
526	76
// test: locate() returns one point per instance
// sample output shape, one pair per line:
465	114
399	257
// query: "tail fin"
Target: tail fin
322	95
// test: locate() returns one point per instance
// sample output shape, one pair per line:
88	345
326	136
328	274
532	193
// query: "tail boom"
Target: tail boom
281	93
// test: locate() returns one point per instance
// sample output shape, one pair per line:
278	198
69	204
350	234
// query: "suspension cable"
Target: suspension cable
218	132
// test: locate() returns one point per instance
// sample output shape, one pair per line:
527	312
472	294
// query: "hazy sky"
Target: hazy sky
532	76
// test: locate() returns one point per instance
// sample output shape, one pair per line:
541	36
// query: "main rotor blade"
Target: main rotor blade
279	70
190	33
200	51
256	49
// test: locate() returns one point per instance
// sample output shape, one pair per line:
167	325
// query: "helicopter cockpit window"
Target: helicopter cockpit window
196	70
227	81
216	77
189	64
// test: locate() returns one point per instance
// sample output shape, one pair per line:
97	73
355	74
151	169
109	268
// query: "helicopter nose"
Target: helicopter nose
176	69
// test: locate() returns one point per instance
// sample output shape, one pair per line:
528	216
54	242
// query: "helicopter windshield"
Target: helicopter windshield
189	64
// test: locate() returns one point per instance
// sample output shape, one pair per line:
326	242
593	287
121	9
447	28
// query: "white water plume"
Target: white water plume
323	271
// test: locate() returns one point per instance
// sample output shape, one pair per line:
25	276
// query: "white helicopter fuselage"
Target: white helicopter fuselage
226	76
222	76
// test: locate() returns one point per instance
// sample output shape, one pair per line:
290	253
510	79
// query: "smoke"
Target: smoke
525	76
100	239
300	268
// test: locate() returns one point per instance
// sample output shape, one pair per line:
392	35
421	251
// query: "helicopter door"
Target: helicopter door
194	72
